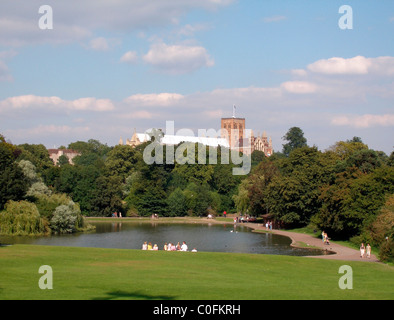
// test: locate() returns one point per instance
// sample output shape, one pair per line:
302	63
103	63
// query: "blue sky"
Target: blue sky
105	69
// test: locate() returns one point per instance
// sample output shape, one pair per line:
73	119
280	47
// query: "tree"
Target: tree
121	161
66	218
293	196
365	160
63	160
383	226
13	185
92	146
257	185
37	186
241	199
107	196
177	203
37	154
295	139
344	149
22	218
352	201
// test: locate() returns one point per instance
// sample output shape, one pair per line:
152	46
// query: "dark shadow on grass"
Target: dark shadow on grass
136	295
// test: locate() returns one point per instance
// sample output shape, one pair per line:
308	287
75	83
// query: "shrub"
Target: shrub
22	218
63	220
386	251
67	218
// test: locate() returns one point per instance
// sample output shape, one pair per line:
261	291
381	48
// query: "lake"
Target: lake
203	237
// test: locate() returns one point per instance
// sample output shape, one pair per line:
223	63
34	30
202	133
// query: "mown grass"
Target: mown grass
106	274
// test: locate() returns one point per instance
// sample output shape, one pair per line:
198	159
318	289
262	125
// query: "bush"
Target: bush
22	218
386	251
67	218
63	220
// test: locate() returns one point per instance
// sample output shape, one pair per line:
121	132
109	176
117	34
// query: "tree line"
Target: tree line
346	190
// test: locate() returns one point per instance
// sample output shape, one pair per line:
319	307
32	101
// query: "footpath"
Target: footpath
340	252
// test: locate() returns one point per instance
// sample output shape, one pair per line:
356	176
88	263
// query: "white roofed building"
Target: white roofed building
139	138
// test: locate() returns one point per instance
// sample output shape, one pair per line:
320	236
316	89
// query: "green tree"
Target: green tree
121	161
177	203
37	186
295	139
107	196
13	185
38	155
293	196
91	146
353	200
22	218
63	160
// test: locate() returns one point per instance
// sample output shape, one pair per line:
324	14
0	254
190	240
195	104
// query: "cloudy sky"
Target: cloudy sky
109	67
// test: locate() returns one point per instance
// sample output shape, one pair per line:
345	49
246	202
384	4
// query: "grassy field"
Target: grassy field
105	274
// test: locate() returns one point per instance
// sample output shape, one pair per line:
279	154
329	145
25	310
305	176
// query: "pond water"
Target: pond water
203	237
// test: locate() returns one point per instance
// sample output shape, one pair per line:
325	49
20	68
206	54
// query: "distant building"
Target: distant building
139	138
261	144
234	132
233	136
233	129
55	154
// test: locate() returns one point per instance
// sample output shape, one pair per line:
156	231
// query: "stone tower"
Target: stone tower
233	130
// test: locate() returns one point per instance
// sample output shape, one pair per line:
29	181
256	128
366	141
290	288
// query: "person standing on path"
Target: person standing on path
362	250
368	251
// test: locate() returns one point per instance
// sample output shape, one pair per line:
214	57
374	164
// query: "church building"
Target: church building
234	130
233	136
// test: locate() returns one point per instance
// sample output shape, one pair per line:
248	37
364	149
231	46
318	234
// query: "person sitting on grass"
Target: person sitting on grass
184	246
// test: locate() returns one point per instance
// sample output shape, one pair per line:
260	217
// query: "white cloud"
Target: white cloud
177	59
299	87
358	65
20	31
19	24
382	66
154	99
364	121
32	101
129	57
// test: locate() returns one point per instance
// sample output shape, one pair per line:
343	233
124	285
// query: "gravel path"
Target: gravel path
341	252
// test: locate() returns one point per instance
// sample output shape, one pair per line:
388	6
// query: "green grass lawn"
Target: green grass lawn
93	273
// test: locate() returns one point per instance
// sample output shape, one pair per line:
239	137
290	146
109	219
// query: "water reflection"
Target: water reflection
203	237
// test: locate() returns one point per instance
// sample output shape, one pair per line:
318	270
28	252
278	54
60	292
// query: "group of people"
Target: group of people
167	247
324	238
365	252
268	225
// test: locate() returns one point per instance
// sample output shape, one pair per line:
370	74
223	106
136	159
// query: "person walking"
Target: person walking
368	251
362	250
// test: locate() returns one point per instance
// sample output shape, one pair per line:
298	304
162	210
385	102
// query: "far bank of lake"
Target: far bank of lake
208	235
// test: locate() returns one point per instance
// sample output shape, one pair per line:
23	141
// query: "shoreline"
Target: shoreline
340	252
